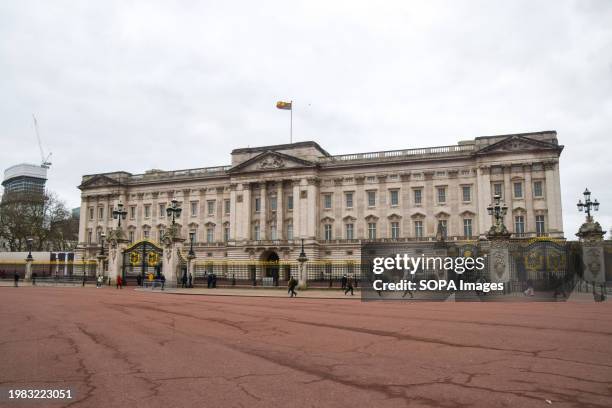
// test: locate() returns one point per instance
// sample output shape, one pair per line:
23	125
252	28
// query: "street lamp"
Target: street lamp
588	204
102	237
191	239
29	241
302	257
119	214
497	209
174	211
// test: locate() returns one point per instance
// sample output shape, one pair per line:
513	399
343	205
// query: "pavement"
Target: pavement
135	348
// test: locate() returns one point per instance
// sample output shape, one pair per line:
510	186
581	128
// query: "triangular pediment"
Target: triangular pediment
270	161
99	180
517	144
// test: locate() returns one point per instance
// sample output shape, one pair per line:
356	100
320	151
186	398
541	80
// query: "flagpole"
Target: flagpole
291	125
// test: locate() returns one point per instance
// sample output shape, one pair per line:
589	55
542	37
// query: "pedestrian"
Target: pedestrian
84	280
184	281
291	287
119	282
214	280
109	281
529	290
34	276
99	280
138	280
407	280
343	281
349	287
233	279
16	277
209	280
190	281
163	280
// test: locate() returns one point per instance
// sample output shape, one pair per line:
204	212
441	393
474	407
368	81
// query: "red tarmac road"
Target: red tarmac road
123	348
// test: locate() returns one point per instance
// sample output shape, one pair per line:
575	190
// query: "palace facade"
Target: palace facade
269	198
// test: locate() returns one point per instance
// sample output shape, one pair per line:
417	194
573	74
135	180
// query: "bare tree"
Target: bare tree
42	217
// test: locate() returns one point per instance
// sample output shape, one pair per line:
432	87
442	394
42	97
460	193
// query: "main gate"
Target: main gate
140	259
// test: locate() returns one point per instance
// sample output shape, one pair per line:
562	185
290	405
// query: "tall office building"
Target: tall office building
25	178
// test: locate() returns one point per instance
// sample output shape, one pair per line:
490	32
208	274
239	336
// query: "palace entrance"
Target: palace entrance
140	259
270	266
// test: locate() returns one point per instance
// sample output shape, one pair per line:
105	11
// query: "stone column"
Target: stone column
280	211
245	213
297	225
312	223
483	184
553	198
28	268
263	211
528	194
115	264
591	237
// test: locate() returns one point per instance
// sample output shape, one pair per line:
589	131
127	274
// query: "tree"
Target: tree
42	217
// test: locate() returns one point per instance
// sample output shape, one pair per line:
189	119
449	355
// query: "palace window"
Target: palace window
444	225
226	233
256	235
145	234
257	204
147	210
162	210
371	198
418	196
290	202
350	231
100	213
418	229
518	190
327	201
133	212
395	230
89	236
371	230
161	234
210	207
210	234
394	198
537	189
498	189
273	233
273	203
91	213
289	230
519	224
131	236
328	232
466	193
226	206
194	208
348	199
467	227
540	225
441	195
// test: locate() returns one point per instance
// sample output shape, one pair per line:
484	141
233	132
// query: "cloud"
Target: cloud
140	85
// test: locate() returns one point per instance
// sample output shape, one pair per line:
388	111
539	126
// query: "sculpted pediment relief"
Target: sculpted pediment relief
99	180
271	160
518	144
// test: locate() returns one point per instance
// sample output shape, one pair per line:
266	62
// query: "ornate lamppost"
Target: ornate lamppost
588	204
191	239
119	214
174	211
102	238
29	242
29	259
498	210
302	259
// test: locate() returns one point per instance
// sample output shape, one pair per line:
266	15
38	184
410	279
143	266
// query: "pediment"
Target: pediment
99	180
517	144
270	161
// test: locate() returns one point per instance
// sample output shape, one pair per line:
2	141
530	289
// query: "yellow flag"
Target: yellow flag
283	105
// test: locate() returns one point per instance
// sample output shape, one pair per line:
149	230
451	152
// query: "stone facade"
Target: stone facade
271	197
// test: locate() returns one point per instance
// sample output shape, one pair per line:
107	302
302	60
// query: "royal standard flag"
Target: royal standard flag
283	105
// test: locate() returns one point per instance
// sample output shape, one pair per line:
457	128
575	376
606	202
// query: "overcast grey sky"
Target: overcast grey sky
130	85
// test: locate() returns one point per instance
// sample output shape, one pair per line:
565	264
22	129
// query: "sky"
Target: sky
136	85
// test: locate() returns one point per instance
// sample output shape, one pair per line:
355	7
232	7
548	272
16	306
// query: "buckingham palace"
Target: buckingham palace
270	199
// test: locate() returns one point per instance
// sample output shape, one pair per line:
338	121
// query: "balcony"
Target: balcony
426	152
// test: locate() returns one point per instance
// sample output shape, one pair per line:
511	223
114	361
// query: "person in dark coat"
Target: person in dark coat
34	276
291	287
16	277
349	287
214	280
209	280
343	281
119	282
190	285
138	280
184	281
163	280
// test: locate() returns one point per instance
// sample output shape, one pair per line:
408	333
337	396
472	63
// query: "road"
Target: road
125	348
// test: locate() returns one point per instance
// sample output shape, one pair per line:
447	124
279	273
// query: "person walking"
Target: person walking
16	277
214	280
291	287
344	281
84	280
349	287
184	281
529	290
163	280
34	276
209	281
190	285
99	280
119	282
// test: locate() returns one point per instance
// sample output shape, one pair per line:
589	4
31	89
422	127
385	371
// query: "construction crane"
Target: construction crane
45	161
